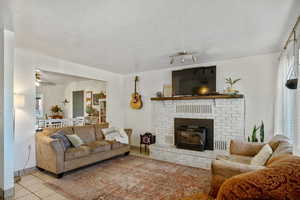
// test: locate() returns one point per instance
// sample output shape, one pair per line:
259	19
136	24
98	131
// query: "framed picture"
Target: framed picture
96	98
167	90
89	98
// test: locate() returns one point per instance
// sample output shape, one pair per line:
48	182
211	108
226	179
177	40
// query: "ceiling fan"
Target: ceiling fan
183	56
40	81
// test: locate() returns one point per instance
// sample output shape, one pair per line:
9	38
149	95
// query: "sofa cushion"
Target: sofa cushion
116	145
86	133
99	133
51	131
236	158
244	148
284	148
263	156
279	138
99	146
276	140
78	152
67	130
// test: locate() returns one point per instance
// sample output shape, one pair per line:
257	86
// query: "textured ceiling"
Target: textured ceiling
139	35
62	79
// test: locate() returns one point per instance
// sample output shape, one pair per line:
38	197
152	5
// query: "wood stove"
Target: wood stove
194	134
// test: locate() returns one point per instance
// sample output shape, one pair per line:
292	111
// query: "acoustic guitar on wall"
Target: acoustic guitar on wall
136	99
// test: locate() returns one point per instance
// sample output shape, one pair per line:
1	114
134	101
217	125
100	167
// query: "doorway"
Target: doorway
78	103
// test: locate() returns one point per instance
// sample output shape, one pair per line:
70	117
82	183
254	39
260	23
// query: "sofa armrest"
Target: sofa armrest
129	133
50	154
222	170
244	148
228	169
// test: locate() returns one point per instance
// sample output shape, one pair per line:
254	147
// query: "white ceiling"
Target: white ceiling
62	79
138	35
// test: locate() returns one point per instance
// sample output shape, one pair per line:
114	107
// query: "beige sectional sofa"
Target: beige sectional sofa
51	156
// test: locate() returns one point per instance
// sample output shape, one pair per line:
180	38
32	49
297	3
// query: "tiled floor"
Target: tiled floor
31	186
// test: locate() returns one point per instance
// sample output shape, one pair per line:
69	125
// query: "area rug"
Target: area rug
132	178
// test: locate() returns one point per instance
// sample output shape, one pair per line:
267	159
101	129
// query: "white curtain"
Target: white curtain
285	104
296	137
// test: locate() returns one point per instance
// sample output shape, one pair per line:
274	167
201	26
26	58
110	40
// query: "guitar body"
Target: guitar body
136	99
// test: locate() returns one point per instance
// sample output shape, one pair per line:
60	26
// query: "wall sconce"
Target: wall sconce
19	101
64	102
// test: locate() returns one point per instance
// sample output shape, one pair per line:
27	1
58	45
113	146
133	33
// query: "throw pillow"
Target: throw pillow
273	145
107	131
60	134
112	136
75	140
262	156
124	137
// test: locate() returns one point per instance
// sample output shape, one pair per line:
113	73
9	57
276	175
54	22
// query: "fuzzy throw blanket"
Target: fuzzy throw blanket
280	180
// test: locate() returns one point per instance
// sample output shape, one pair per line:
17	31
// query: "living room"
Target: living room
233	125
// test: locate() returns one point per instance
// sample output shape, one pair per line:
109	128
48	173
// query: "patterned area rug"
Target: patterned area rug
132	178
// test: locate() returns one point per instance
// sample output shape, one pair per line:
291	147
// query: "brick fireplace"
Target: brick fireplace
224	121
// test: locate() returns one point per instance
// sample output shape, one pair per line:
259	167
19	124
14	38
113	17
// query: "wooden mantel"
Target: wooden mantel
220	96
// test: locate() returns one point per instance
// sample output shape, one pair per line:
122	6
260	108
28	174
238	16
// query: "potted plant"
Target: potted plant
230	89
90	110
56	112
261	129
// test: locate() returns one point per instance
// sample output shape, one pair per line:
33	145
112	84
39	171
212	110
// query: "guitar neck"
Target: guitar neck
135	85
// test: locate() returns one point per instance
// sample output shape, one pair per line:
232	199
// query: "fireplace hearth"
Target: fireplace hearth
194	134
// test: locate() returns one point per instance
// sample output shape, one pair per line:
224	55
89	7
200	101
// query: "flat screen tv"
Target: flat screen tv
194	81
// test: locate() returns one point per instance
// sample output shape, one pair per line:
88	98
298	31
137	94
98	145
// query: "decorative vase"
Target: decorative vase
231	91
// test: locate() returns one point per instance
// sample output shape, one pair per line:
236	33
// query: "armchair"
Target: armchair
239	159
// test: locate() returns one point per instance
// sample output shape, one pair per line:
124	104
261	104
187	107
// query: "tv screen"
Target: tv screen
194	81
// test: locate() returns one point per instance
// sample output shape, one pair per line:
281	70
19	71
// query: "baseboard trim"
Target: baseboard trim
7	194
24	172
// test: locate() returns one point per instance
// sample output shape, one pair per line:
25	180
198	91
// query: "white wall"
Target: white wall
52	95
258	75
25	63
6	109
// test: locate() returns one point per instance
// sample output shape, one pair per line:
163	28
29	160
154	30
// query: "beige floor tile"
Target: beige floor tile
29	197
21	193
30	181
27	178
45	193
18	187
36	187
44	177
55	197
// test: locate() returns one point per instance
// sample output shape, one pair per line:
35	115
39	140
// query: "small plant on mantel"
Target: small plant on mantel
230	82
261	129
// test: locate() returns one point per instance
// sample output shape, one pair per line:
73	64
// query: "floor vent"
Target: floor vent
202	109
220	145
